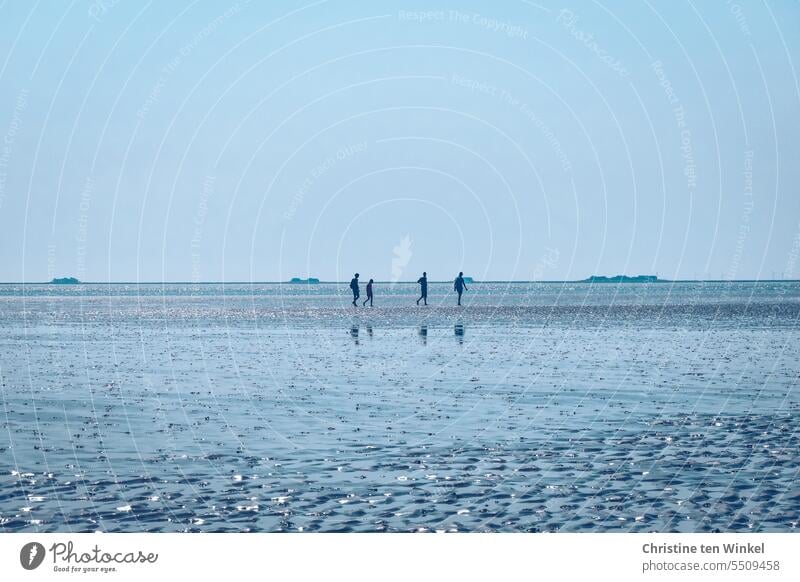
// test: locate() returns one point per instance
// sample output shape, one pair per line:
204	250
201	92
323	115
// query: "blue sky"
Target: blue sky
216	141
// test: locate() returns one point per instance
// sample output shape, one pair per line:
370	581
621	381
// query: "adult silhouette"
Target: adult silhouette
459	285
354	287
369	293
423	288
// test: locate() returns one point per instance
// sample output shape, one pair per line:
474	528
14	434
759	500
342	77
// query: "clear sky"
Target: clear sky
208	141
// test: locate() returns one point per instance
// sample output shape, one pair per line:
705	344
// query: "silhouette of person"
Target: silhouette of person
423	288
354	287
459	285
369	293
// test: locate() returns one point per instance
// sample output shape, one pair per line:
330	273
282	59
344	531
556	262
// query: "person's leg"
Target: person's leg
459	297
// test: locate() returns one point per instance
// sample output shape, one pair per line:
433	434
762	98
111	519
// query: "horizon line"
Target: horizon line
322	282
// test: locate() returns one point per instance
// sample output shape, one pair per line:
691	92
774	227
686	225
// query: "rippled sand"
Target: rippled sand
203	414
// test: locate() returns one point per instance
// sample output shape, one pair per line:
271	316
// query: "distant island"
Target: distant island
309	281
469	280
65	281
622	279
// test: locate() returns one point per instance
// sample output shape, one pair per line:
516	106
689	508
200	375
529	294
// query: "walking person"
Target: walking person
459	285
354	287
423	288
369	293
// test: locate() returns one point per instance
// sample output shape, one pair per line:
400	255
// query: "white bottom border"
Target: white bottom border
606	556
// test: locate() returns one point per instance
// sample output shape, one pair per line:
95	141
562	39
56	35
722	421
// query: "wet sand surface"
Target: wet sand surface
130	412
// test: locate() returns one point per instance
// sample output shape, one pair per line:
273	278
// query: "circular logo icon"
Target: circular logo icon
31	555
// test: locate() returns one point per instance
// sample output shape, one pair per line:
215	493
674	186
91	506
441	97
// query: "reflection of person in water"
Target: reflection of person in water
354	287
369	293
354	333
423	288
423	333
460	286
459	331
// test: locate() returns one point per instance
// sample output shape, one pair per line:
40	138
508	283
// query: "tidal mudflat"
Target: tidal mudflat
536	407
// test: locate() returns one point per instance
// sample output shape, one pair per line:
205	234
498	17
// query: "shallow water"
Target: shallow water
536	407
